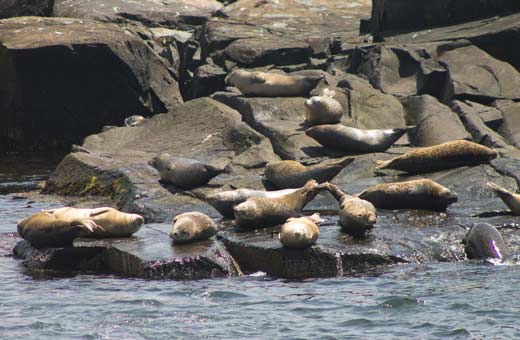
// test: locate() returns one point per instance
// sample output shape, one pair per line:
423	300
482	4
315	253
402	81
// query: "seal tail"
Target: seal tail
335	191
383	164
498	190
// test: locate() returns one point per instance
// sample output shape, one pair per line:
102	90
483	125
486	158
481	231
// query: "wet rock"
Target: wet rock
20	8
148	254
389	17
510	128
182	14
66	78
434	122
116	163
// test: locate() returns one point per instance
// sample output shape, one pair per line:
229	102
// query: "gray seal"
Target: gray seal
350	139
483	241
293	174
184	172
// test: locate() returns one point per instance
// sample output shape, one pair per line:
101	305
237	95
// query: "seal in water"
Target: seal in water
225	201
356	215
293	174
300	232
483	241
263	84
113	222
439	157
134	120
258	212
349	139
416	194
510	199
323	109
192	226
184	172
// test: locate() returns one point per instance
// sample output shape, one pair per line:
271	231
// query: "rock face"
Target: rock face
20	8
66	78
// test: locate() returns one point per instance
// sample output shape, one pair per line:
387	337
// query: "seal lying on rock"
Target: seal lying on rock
510	199
44	229
263	84
356	215
300	232
184	172
113	222
439	157
416	194
225	201
323	109
483	241
134	120
349	139
293	174
192	226
269	211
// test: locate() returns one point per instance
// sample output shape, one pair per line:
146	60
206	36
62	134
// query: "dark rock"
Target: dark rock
510	128
182	14
207	79
434	122
389	17
148	254
65	78
21	8
117	165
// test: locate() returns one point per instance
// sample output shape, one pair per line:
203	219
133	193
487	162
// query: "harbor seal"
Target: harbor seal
293	174
264	84
192	226
184	172
439	157
300	232
258	212
356	215
323	109
43	229
113	222
225	201
134	120
510	199
349	139
416	194
483	241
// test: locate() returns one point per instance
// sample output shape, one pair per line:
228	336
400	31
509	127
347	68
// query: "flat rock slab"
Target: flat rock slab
63	79
169	13
148	254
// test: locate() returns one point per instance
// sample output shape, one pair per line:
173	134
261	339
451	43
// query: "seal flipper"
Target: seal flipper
497	189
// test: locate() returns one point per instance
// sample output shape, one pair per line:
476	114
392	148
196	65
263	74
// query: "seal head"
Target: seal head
483	241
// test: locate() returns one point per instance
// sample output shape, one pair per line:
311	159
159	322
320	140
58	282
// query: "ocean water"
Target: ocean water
464	300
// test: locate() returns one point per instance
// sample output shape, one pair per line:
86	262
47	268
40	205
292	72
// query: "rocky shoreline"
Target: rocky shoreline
87	66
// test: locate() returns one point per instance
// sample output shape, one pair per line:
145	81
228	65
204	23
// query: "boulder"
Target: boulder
434	122
21	8
510	128
63	79
183	14
115	163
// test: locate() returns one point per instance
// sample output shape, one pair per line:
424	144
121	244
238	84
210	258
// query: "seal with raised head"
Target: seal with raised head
43	229
293	174
323	109
350	139
268	84
192	226
134	120
483	241
184	173
300	232
356	215
225	201
416	194
114	223
510	199
439	157
258	212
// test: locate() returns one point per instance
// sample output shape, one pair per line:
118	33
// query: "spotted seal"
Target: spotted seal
439	157
300	232
293	174
268	84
